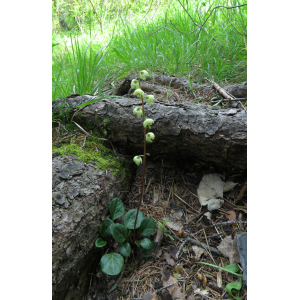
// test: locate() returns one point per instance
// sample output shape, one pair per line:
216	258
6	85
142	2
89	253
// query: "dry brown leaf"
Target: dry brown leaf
149	296
231	215
175	290
198	252
173	250
169	260
228	247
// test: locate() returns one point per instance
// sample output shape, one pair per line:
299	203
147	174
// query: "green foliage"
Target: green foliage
100	243
119	232
116	208
147	227
232	269
111	263
130	218
125	249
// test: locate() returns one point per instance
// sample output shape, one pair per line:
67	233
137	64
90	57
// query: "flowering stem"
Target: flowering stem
144	167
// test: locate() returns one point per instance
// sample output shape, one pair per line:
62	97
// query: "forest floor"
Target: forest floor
171	195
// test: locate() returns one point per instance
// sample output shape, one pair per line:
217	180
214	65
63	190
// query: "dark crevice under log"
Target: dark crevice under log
197	132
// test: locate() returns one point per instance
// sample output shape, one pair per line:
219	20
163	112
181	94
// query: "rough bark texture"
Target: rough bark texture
238	90
81	194
203	133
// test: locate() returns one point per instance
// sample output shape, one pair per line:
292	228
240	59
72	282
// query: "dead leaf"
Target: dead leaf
174	224
165	275
201	292
198	252
231	215
228	247
158	240
149	296
169	260
173	250
228	186
209	190
175	290
214	204
208	215
169	281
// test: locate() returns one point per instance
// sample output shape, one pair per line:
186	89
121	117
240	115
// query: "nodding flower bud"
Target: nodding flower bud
143	74
149	99
138	111
148	122
138	160
135	84
139	93
150	137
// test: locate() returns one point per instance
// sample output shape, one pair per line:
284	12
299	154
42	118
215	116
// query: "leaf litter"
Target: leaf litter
215	228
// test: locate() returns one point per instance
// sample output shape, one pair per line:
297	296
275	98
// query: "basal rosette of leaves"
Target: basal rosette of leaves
112	263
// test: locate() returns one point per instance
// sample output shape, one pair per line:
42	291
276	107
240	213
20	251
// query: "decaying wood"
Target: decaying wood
160	81
199	132
81	194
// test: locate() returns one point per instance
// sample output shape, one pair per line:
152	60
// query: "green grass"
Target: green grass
163	40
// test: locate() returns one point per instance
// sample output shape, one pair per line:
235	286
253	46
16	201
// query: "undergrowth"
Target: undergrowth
162	40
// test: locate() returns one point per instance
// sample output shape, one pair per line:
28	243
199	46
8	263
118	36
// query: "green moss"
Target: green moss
106	124
104	157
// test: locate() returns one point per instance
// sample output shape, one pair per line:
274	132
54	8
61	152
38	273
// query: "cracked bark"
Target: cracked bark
207	134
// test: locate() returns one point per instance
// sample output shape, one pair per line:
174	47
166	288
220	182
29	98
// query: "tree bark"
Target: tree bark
81	195
205	134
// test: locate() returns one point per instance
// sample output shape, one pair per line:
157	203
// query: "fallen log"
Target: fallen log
161	82
205	134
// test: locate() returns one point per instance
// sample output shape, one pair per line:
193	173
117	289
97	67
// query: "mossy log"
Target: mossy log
205	134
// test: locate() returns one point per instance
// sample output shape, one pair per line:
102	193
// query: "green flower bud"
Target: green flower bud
135	84
150	137
148	122
139	93
138	160
138	111
143	74
149	99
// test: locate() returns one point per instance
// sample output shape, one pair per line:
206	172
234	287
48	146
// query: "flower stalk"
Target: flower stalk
147	137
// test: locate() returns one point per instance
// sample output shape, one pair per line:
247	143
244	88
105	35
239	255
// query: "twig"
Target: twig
220	224
180	248
212	249
195	210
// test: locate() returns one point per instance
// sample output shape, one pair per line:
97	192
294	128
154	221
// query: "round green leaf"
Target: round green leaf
146	244
147	227
105	227
119	232
129	219
116	208
100	243
138	243
112	263
125	249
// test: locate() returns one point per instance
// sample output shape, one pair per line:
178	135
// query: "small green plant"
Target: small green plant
232	269
161	226
148	137
112	263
